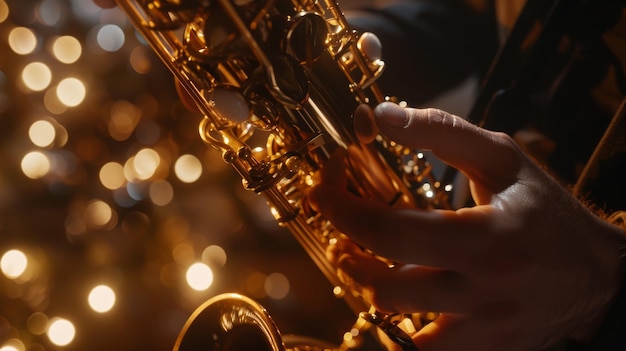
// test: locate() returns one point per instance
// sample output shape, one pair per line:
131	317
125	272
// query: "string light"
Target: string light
188	168
67	49
199	276
4	11
61	332
22	40
71	92
35	165
13	263
36	76
42	133
101	298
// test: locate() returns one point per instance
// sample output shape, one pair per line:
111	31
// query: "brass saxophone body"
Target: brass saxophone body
277	82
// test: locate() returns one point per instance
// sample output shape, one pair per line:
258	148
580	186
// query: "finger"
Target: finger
364	124
444	239
487	157
452	332
401	288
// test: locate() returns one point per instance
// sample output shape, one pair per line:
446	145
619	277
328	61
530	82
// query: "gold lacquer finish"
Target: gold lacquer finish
277	82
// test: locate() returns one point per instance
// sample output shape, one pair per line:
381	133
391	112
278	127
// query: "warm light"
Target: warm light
36	76
13	263
4	11
110	38
71	92
42	133
67	49
101	298
140	61
146	163
49	12
161	192
214	255
183	253
112	175
199	276
37	323
188	168
35	165
98	214
61	332
276	286
129	170
13	345
52	103
22	40
124	119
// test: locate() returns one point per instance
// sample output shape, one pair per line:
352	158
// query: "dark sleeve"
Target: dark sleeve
429	46
611	336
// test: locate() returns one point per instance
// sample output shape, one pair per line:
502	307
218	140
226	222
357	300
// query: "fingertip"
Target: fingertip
315	198
329	180
391	114
364	125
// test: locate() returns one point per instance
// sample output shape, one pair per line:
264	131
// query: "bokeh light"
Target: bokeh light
188	168
37	323
214	255
71	92
50	12
98	214
199	276
22	40
67	49
42	133
13	345
13	263
52	103
4	11
112	175
124	119
61	332
277	286
35	165
101	298
110	37
36	76
146	163
161	192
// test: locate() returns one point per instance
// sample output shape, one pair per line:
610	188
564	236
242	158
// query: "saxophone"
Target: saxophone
277	82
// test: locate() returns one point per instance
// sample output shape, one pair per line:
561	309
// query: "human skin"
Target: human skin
529	265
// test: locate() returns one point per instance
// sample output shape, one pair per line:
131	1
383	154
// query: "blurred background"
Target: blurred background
116	221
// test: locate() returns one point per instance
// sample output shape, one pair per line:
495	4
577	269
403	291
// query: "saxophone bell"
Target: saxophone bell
233	322
230	322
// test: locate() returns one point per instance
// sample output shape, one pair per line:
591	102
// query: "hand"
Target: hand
528	266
